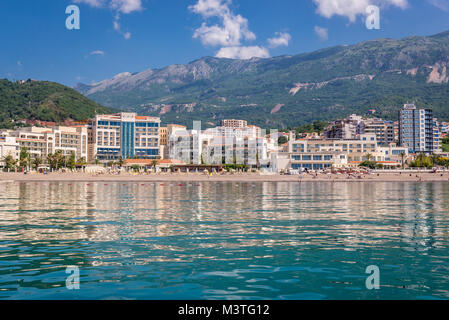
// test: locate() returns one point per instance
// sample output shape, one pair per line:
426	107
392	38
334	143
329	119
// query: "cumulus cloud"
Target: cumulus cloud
231	30
243	52
352	8
281	39
322	33
441	4
119	7
230	33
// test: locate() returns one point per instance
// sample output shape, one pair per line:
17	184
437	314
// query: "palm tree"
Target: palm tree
72	161
24	158
403	157
81	162
60	159
155	162
121	162
202	159
434	158
257	160
10	162
368	156
37	162
51	161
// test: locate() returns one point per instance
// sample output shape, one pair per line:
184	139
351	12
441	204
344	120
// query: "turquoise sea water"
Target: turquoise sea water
224	240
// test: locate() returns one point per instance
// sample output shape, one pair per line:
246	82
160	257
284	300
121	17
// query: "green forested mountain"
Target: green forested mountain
41	100
286	91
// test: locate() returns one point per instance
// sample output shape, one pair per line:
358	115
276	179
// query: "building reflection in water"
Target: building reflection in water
182	222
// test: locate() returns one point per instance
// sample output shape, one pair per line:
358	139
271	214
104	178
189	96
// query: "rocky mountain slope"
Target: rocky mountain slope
290	90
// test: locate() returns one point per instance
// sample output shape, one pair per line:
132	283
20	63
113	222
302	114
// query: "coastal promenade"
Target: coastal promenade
244	177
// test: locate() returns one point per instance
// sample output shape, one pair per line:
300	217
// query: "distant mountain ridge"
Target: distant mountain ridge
45	101
290	90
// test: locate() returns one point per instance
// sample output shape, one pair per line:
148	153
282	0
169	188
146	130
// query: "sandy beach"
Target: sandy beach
183	177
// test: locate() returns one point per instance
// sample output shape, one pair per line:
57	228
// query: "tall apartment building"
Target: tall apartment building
416	129
232	123
125	135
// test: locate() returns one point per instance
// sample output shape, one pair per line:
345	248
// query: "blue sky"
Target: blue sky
133	35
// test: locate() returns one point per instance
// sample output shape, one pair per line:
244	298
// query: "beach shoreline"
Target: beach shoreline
193	177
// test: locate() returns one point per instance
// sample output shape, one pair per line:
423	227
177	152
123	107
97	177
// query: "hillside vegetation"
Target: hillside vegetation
291	90
46	101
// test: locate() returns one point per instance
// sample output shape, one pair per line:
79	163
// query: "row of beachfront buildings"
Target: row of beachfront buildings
416	128
141	140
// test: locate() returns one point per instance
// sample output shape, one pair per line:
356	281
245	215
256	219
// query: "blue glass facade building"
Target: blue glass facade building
126	136
127	140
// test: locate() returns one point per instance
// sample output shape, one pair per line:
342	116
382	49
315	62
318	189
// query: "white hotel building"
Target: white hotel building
220	145
8	146
40	142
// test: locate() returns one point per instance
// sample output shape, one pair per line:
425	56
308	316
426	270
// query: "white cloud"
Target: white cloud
97	53
322	33
229	33
232	29
92	3
126	6
281	39
116	25
118	28
211	8
243	52
352	8
120	7
441	4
